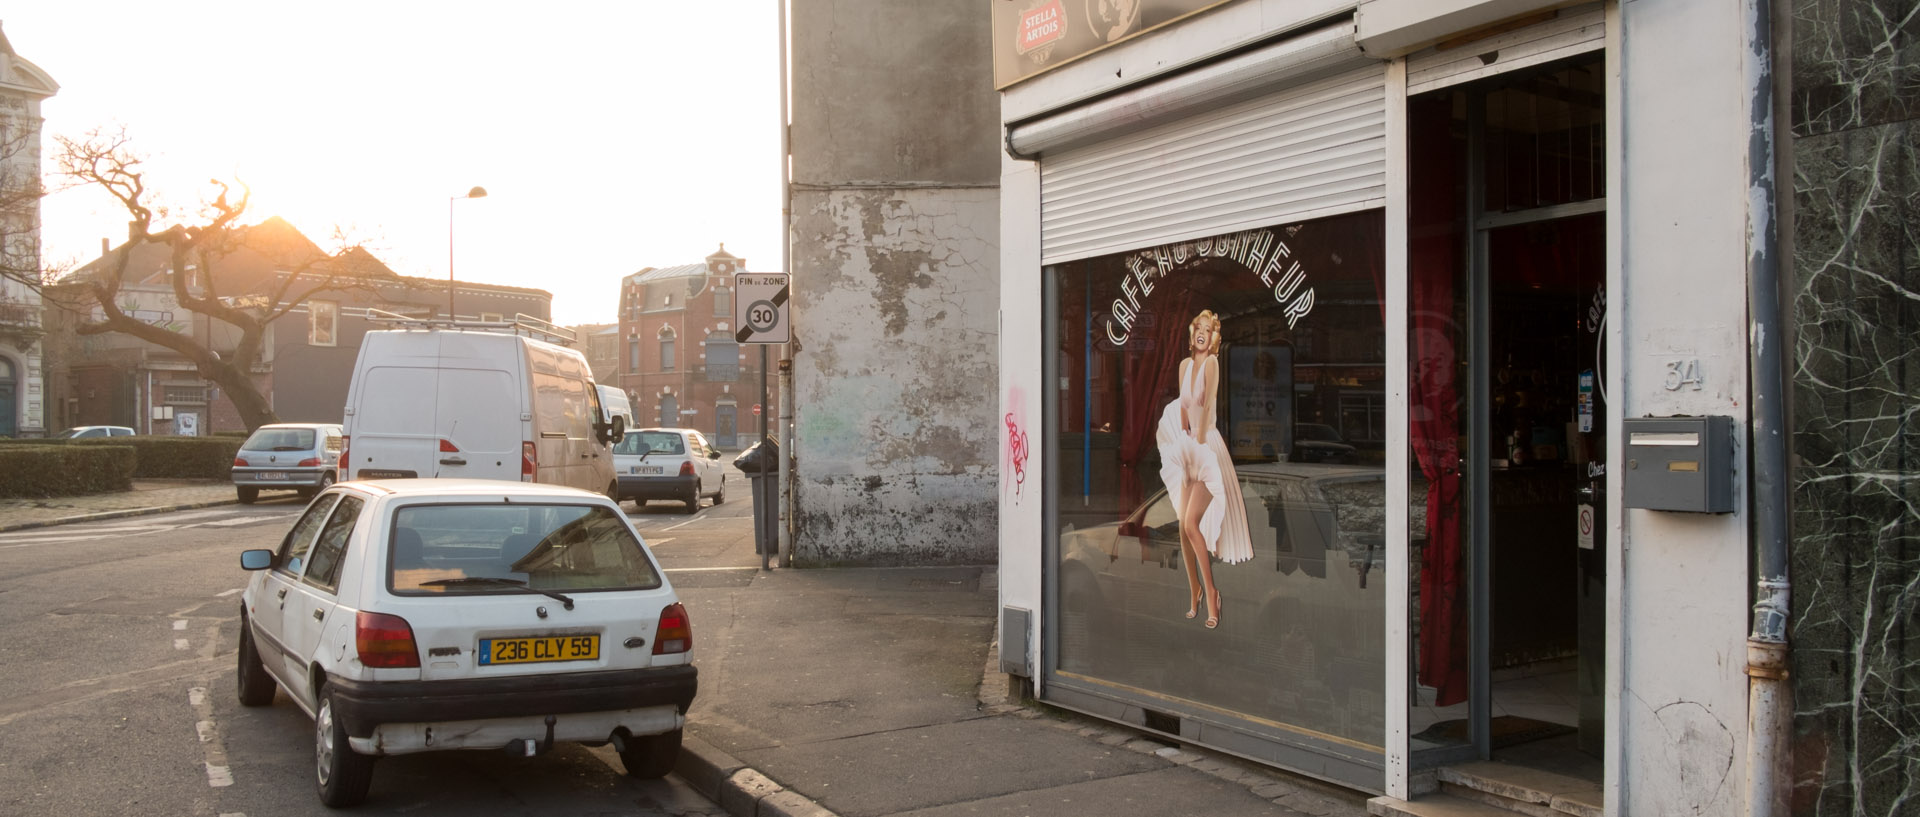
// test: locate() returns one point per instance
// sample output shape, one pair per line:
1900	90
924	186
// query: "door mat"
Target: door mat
1508	730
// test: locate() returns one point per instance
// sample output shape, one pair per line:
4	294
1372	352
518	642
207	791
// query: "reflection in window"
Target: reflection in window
1219	434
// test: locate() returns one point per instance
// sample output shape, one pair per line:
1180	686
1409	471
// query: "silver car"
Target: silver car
303	457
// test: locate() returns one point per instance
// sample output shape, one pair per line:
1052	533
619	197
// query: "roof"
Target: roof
475	488
649	276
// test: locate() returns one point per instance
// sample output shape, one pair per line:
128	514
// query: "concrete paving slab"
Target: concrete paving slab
902	770
1143	793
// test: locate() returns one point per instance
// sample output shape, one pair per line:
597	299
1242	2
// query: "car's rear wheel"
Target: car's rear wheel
692	498
342	774
651	757
247	494
721	495
256	686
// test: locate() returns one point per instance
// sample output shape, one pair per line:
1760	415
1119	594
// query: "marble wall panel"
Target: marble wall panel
1856	549
1856	63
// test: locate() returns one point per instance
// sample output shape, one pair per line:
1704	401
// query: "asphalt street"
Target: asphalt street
119	680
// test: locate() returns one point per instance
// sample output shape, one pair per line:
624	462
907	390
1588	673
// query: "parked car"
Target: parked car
409	616
468	402
303	457
669	463
94	431
1318	442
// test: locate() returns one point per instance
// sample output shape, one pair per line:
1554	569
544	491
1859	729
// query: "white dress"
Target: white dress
1185	461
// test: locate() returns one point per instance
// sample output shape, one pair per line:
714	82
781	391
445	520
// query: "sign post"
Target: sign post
760	311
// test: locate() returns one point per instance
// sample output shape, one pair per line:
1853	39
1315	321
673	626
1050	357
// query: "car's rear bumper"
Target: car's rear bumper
674	487
363	705
294	477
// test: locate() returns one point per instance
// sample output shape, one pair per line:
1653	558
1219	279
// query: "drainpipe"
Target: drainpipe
1769	695
786	516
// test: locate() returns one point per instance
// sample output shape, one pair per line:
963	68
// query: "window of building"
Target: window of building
723	358
490	317
722	302
184	394
666	349
633	355
669	412
324	323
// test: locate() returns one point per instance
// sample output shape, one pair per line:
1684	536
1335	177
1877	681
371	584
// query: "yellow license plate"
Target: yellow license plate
538	650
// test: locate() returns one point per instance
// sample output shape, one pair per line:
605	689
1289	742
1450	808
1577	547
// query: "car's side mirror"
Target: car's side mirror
611	431
713	455
256	559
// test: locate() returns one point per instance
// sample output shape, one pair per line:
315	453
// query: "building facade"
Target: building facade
678	358
1411	389
307	354
895	207
23	407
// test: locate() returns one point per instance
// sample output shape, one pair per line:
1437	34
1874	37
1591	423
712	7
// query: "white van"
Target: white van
616	404
440	401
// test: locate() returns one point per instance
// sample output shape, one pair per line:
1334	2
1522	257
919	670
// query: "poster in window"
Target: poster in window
1204	554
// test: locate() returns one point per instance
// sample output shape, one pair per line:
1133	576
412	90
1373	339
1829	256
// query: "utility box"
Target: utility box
1679	464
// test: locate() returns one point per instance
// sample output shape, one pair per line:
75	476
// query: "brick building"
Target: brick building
678	360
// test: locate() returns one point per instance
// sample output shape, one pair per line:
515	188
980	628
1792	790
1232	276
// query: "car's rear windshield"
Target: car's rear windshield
279	439
659	442
506	548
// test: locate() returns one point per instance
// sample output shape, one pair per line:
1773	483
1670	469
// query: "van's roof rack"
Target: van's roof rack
520	324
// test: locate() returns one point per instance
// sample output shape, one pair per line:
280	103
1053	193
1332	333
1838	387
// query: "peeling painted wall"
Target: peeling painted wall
895	241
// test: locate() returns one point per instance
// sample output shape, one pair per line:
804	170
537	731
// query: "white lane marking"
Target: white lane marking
247	520
179	643
229	592
696	518
705	569
179	623
658	542
219	774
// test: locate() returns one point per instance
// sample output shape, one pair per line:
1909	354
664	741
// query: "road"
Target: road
117	679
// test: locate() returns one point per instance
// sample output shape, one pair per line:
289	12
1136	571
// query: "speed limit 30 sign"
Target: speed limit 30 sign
760	307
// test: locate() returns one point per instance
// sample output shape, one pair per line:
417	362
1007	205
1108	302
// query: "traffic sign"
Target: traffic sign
760	307
756	409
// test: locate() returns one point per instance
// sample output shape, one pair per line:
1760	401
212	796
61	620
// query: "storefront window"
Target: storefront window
1220	446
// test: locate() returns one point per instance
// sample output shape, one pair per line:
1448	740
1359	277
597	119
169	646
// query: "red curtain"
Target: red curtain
1434	414
1152	376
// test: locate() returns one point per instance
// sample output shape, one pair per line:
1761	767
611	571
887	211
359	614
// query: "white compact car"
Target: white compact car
669	463
427	614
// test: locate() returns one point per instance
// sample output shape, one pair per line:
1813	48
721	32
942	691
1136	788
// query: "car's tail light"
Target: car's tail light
384	640
686	468
676	631
239	462
447	447
310	462
529	462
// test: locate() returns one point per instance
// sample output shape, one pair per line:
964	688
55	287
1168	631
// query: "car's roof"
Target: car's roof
473	488
673	430
300	425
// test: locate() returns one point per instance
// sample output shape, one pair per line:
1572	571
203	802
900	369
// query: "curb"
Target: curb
739	789
120	514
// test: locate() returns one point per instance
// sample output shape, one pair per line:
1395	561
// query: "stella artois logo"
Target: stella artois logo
1040	27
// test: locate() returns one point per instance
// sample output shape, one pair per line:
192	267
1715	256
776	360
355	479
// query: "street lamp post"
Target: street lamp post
476	193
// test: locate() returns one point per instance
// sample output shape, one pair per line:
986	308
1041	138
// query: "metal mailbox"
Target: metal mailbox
1679	464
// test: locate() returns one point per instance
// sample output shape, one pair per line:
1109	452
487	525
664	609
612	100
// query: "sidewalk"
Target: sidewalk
862	692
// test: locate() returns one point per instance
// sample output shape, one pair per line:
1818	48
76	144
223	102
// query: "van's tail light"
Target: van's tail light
676	631
447	447
529	462
384	640
310	462
239	462
344	462
686	468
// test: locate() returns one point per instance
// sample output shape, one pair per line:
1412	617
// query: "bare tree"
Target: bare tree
197	261
20	193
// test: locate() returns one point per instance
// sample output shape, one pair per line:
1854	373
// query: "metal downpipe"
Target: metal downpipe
1769	694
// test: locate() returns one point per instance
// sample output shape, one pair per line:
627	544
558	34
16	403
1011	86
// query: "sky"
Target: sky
610	136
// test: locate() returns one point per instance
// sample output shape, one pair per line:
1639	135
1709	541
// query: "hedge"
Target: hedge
176	457
63	470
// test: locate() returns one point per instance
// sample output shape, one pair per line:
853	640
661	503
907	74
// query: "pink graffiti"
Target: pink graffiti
1017	452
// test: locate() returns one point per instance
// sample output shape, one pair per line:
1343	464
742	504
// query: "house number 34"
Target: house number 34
1681	373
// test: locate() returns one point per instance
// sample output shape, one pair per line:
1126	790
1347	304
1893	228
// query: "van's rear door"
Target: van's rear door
393	427
480	417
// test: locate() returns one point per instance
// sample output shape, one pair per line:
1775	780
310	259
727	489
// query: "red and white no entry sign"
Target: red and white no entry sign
756	409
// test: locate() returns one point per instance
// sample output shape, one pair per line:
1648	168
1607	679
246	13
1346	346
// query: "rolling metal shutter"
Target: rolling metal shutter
1310	151
1572	31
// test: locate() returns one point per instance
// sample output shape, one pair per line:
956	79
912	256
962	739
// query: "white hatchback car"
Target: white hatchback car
419	615
669	463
